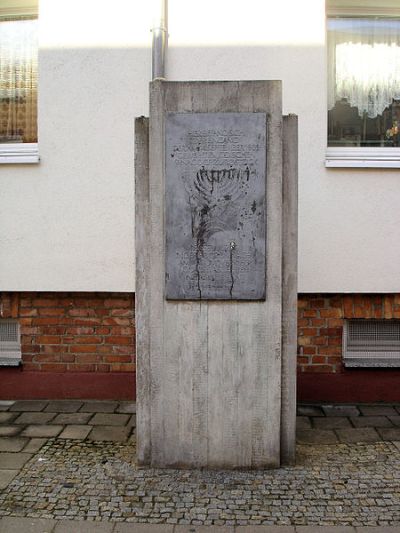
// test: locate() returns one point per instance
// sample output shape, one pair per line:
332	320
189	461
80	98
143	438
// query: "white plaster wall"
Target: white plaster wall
67	223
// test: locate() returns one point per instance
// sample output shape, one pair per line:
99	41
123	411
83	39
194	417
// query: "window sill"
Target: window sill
344	157
11	153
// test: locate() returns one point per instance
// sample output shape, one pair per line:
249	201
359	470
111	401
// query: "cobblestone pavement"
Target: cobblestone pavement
49	479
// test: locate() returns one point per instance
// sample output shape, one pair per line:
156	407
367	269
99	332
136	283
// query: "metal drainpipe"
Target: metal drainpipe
160	41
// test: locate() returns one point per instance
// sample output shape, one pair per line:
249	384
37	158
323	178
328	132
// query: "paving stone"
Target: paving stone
12	444
105	419
113	433
378	529
340	410
34	445
98	407
316	436
34	418
145	528
332	422
26	525
126	407
6	476
64	406
265	529
309	410
13	461
9	431
389	433
303	422
202	529
324	529
7	417
397	444
353	435
75	432
68	526
72	418
28	405
395	420
371	422
377	410
132	421
6	404
42	431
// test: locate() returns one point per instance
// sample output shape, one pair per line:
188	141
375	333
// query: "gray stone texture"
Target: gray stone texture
6	476
6	404
42	431
28	405
105	419
353	435
332	422
395	420
378	410
110	433
310	410
371	421
12	444
389	433
324	529
34	445
63	406
143	528
72	418
99	407
7	417
316	436
75	432
340	410
34	418
26	525
203	529
10	431
67	526
13	461
126	408
303	422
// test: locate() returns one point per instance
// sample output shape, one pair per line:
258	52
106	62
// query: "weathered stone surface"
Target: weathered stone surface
26	525
42	431
309	410
12	444
63	406
6	476
203	529
126	407
34	418
75	432
72	418
303	422
143	528
34	445
316	436
332	422
9	431
395	420
324	529
67	526
340	410
98	407
13	461
215	206
7	417
105	419
389	433
358	435
378	410
265	529
6	404
111	433
371	421
28	405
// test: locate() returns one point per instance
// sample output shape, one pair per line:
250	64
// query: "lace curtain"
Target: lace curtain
364	63
18	80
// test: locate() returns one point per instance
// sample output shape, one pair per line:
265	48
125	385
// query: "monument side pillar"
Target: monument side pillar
209	370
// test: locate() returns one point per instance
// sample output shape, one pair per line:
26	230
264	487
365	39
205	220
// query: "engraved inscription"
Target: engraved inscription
215	206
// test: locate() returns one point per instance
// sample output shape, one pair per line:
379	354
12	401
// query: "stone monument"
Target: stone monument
216	276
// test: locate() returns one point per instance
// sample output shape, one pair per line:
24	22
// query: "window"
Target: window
18	82
10	344
363	83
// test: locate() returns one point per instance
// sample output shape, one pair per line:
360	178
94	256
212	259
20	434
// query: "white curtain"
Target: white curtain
364	63
18	80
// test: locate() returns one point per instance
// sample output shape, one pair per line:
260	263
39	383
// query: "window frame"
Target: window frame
11	153
362	157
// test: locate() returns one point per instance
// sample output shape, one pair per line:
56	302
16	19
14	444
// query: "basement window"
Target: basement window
371	343
10	343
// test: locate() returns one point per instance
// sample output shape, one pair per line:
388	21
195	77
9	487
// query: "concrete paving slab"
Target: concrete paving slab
309	410
340	410
111	433
28	405
332	422
132	421
6	476
203	529
324	529
10	431
6	416
395	420
75	432
105	419
42	431
11	524
132	527
126	408
303	422
265	529
12	444
64	406
389	433
34	418
316	436
6	404
378	529
72	418
13	461
69	526
98	407
353	435
34	445
371	422
378	410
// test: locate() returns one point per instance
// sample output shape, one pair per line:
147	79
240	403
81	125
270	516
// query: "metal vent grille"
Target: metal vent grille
371	343
10	345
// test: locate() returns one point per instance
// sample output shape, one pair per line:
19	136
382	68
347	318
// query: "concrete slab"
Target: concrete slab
378	410
6	404
126	408
303	422
395	420
75	432
6	476
12	444
352	435
143	528
69	526
378	529
42	431
340	410
132	421
265	529
332	422
316	436
10	431
7	417
34	445
105	419
371	422
34	418
98	407
11	524
389	433
64	406
203	529
13	461
112	433
72	418
324	529
309	410
28	405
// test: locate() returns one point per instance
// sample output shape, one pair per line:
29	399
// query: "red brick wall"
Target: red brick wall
74	332
320	325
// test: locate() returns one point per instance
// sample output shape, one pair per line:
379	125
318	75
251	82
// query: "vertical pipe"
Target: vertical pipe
160	40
